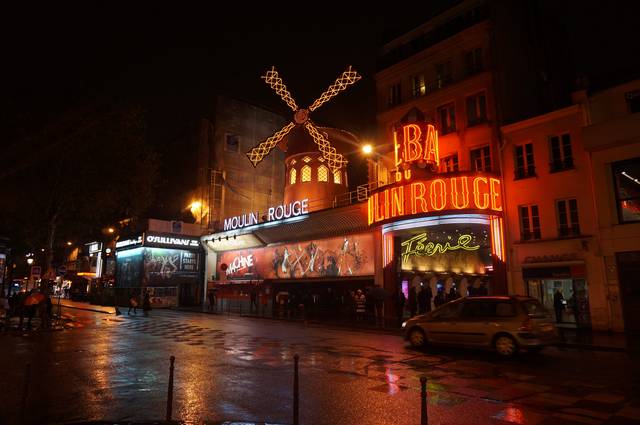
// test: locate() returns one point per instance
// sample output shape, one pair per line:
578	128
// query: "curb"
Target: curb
579	346
87	309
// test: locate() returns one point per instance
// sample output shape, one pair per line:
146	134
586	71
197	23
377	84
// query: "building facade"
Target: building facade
552	229
227	184
612	139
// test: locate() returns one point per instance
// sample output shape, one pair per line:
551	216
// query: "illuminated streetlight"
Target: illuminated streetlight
69	243
111	230
367	149
29	261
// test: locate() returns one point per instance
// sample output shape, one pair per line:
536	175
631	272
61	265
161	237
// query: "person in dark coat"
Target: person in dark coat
413	301
440	298
424	299
558	305
146	304
400	302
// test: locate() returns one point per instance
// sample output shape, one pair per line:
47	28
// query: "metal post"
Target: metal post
423	401
295	389
25	392
170	390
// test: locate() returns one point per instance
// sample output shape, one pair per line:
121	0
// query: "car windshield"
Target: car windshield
534	308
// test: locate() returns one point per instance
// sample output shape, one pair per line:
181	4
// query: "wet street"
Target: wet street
103	367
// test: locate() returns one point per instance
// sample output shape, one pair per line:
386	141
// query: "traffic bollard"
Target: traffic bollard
423	401
295	389
25	392
170	390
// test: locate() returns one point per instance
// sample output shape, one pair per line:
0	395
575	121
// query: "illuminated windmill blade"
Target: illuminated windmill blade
334	159
257	153
275	82
347	78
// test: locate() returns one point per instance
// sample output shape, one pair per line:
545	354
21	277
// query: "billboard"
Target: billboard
159	267
333	257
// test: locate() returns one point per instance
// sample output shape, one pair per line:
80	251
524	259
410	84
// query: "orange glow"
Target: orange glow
419	144
388	249
437	195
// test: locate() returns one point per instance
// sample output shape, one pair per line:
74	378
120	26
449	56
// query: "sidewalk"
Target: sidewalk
81	305
571	338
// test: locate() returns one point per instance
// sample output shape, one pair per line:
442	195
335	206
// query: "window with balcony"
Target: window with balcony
305	174
481	159
323	174
473	61
525	167
626	176
444	75
447	118
292	176
476	109
568	224
449	164
561	154
418	85
529	222
395	95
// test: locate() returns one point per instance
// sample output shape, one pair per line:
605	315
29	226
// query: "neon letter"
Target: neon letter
464	191
431	154
412	147
495	194
417	192
477	192
397	201
438	194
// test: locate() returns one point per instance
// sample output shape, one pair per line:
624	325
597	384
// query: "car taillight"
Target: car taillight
527	325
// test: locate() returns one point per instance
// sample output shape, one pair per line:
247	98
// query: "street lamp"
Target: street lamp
29	261
367	149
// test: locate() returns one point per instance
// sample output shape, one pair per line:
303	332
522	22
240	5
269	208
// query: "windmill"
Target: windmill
301	118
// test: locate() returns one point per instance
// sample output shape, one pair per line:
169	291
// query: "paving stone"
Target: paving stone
605	397
629	412
586	412
577	419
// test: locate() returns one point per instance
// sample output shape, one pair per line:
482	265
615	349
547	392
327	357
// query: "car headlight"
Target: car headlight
404	325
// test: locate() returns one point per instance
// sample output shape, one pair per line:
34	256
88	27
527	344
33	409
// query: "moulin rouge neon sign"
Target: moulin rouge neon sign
415	143
417	246
438	195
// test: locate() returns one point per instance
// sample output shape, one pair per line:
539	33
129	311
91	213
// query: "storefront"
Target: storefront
168	266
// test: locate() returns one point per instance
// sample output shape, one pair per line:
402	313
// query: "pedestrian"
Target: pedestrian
558	305
5	316
413	301
440	298
424	299
212	299
453	293
146	304
400	302
133	304
482	290
253	295
360	302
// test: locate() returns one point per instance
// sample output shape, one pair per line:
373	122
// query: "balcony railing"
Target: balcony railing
568	232
561	165
523	173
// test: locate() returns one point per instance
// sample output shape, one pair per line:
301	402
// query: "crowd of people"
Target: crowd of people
26	305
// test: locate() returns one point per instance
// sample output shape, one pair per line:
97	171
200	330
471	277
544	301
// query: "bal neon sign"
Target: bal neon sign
439	195
417	246
415	143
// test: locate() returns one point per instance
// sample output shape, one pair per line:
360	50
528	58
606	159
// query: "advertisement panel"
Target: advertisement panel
447	248
169	267
333	257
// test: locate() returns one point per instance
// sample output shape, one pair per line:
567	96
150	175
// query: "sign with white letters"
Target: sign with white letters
292	209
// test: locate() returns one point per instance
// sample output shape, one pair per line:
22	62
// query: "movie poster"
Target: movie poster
334	257
169	267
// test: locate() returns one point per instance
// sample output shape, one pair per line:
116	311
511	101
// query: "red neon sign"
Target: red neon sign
416	142
472	192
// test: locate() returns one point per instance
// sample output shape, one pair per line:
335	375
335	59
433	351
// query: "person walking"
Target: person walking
146	304
133	304
212	299
440	298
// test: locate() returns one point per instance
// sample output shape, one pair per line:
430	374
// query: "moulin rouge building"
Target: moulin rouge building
419	227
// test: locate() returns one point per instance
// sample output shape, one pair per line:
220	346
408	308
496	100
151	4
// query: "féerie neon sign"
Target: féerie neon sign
417	246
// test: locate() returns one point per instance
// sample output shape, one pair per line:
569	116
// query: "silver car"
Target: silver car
503	323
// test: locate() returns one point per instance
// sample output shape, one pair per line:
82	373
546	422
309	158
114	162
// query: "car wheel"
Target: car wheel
417	337
506	346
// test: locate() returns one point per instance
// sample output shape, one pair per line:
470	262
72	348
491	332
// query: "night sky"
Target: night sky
174	61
